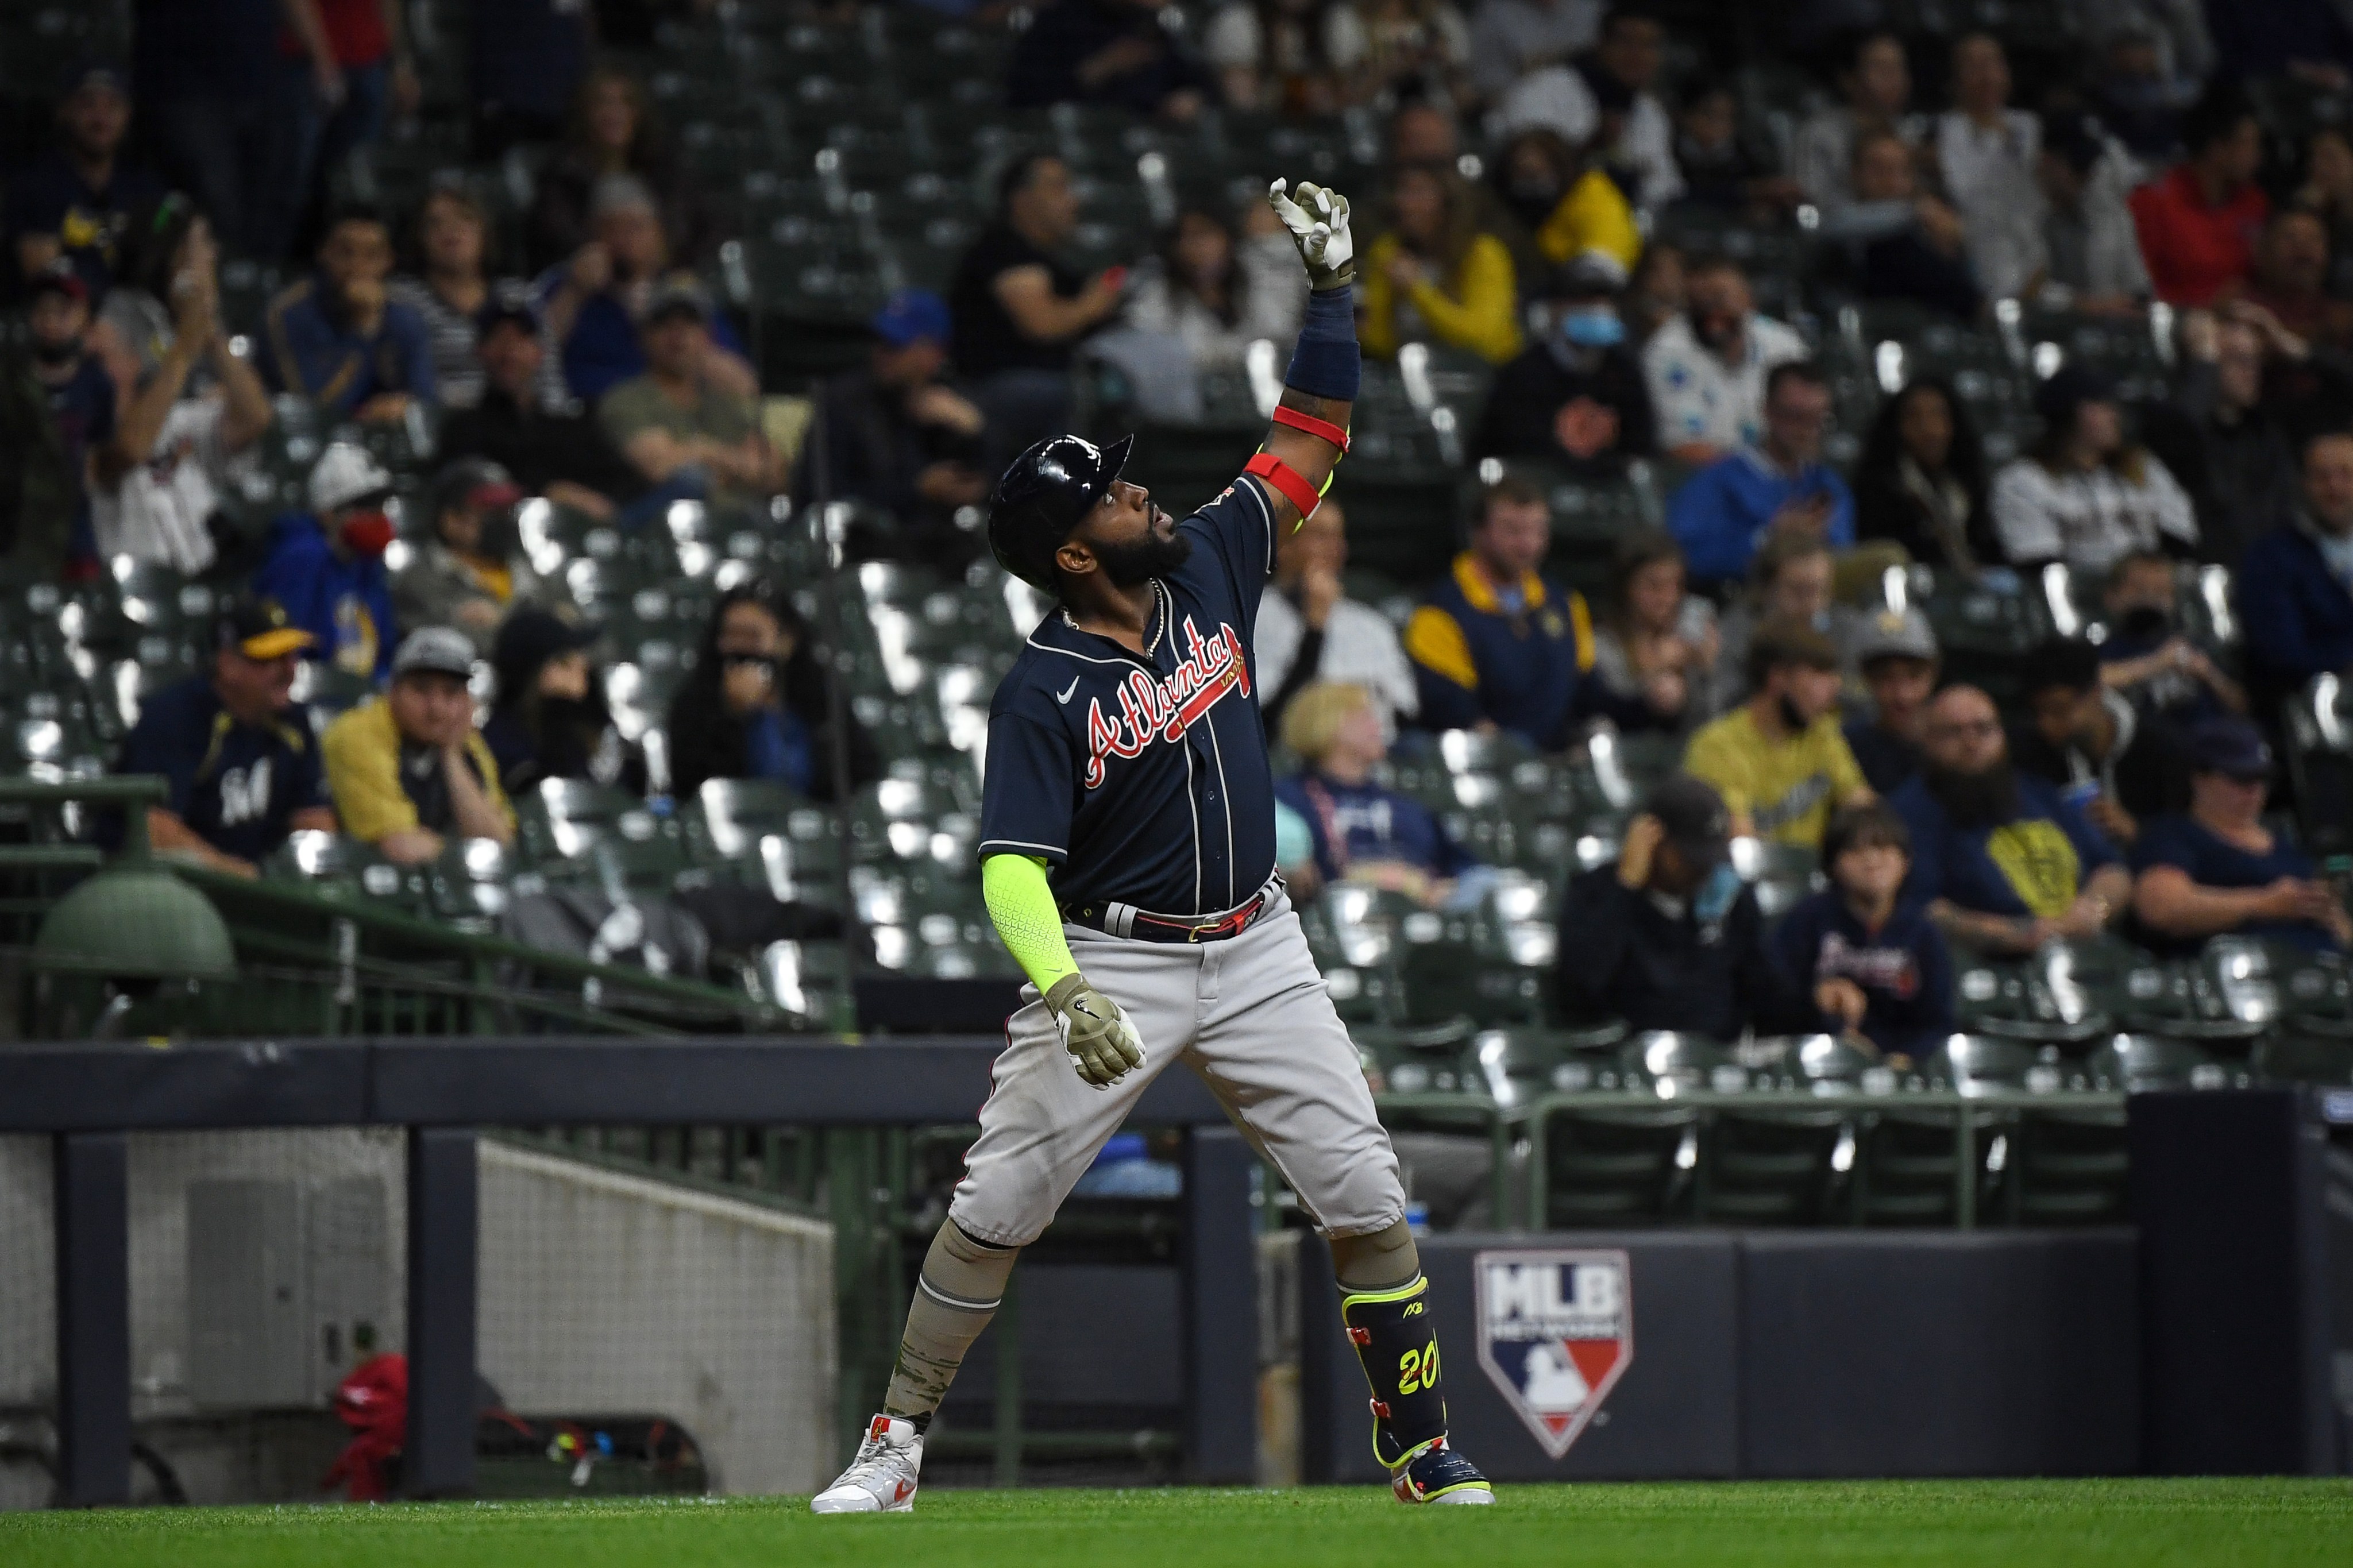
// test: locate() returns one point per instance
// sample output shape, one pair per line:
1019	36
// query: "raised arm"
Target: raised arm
1311	424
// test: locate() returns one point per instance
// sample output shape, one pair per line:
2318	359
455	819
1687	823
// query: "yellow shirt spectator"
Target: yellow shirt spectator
1437	266
1595	216
1786	789
369	776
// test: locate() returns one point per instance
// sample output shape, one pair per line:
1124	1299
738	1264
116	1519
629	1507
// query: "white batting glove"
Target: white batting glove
1317	217
1103	1046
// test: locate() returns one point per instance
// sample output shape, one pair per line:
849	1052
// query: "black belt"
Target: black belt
1127	920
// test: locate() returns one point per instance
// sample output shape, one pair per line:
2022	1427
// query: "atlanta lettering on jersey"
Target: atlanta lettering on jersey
1154	710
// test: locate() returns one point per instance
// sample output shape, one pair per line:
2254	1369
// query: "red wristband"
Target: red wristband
1313	425
1287	479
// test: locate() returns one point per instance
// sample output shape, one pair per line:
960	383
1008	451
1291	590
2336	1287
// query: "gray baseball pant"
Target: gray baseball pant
1250	1016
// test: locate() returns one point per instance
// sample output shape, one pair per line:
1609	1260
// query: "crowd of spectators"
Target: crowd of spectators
1536	152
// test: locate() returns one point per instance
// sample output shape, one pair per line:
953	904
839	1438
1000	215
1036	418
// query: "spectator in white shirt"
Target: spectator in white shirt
1988	153
1877	84
1216	296
1509	38
1605	98
1296	55
2085	496
1706	367
1309	630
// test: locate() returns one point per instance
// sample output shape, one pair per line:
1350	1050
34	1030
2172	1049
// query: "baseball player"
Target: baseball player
1127	856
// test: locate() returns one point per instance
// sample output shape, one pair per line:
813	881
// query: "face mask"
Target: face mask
1593	329
1792	719
366	534
2143	622
1714	899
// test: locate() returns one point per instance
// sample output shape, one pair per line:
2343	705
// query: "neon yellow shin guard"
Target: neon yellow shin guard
1397	1340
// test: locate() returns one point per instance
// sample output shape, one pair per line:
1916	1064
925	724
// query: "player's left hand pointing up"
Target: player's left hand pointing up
1102	1044
1317	217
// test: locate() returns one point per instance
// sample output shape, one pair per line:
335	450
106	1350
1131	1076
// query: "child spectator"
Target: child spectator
1874	965
326	567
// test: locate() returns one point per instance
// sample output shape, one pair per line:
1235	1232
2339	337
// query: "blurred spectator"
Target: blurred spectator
1720	171
2107	762
2327	190
1876	79
2002	864
1435	277
1987	153
1656	646
408	768
1654	296
1218	296
326	566
1779	758
191	409
1116	52
1669	937
674	424
470	572
338	339
1509	38
595	303
1363	833
2296	582
2220	438
1568	208
203	76
526	56
1424	132
1897	654
1019	310
2304	38
2135	87
2174	31
2091	250
452	241
1873	963
1288	56
2083	495
76	200
1707	365
521	421
344	67
1309	630
1921	482
2197	225
612	130
2290	280
1497	647
755	706
1790	580
1414	45
73	383
1604	98
2169	677
240	754
897	437
2215	869
1901	243
551	721
1780	484
1574	401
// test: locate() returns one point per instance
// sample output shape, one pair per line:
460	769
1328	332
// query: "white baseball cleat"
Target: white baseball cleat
881	1479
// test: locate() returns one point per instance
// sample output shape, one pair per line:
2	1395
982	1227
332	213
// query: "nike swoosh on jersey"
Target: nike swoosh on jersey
1063	696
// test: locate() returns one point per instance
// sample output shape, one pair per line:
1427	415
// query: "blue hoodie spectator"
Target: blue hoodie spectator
1724	512
326	566
1904	969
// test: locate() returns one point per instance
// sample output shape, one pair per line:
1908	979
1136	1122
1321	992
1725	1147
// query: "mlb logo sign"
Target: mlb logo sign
1556	1333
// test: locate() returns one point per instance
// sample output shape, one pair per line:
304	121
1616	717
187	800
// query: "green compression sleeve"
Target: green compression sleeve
1022	907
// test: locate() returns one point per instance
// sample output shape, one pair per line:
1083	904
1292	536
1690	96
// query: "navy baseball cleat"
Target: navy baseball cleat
1436	1473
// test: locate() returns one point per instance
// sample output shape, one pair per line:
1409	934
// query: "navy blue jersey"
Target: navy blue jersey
1143	779
236	788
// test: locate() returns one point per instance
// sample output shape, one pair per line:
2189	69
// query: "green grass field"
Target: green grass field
2130	1524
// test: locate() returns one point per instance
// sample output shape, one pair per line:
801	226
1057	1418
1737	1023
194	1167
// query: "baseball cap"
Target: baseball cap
1895	634
680	291
435	649
909	316
509	301
474	482
1696	819
346	475
59	278
260	629
2231	747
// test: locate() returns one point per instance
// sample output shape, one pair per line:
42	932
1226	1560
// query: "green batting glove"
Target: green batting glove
1317	217
1102	1042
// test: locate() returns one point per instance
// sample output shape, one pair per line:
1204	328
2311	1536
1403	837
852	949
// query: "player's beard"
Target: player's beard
1149	557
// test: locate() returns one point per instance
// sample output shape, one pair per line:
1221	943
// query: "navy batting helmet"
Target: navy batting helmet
1041	498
